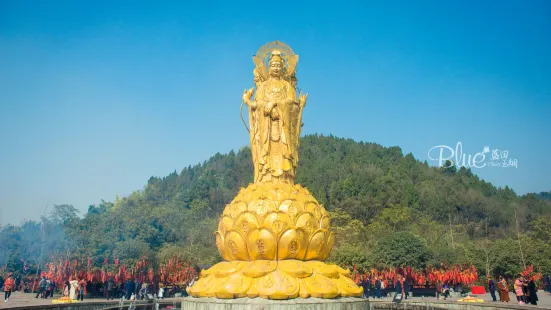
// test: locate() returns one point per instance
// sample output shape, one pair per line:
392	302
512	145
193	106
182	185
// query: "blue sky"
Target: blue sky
98	96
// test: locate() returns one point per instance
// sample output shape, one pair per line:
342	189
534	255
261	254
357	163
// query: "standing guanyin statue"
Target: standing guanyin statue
274	235
275	116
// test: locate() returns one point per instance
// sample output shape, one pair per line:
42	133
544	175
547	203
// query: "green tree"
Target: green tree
541	229
400	249
350	255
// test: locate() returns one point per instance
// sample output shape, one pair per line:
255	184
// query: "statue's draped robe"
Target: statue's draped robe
273	140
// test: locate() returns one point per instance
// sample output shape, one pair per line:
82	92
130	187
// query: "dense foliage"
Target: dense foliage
387	209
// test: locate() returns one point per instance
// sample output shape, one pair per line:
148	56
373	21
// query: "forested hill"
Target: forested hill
383	205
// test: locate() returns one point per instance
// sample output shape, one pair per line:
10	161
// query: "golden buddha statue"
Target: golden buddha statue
274	235
274	116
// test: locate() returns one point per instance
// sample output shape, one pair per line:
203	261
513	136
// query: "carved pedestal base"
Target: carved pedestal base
274	239
284	279
346	303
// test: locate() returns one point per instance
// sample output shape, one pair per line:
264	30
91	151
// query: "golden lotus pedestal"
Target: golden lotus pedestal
274	239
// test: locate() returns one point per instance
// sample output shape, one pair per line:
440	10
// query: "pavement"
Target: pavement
544	299
19	299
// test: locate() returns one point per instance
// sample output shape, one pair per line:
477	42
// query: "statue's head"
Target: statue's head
276	64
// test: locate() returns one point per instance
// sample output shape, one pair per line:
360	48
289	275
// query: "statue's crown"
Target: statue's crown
276	56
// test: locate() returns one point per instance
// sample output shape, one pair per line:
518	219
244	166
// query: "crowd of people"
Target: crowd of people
524	289
377	287
373	287
77	289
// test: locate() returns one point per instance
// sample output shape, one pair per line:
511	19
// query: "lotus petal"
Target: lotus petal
225	224
328	246
294	268
237	208
259	268
253	291
202	288
292	208
246	222
324	269
261	244
235	245
347	287
288	286
303	290
316	245
291	244
321	287
276	222
230	268
260	207
236	286
226	210
315	209
277	286
266	285
220	246
342	271
307	222
325	222
214	269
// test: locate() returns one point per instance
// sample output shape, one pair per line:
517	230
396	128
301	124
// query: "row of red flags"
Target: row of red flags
173	271
176	271
463	274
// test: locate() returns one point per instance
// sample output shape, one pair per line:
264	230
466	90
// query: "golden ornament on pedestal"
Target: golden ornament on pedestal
274	235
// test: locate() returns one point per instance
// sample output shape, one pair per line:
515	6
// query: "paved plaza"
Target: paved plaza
19	299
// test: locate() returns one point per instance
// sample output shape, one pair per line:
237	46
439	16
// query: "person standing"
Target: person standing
492	288
129	287
81	286
161	291
110	287
365	284
8	287
17	284
503	289
42	287
406	287
399	285
52	288
66	288
73	285
138	289
47	291
143	291
518	290
438	289
532	293
377	287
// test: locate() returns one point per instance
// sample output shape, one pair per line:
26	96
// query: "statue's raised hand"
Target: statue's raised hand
247	94
302	99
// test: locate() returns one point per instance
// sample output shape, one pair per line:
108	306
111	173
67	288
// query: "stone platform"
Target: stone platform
345	303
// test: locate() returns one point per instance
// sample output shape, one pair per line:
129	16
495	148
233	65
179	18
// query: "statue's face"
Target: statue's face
276	68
